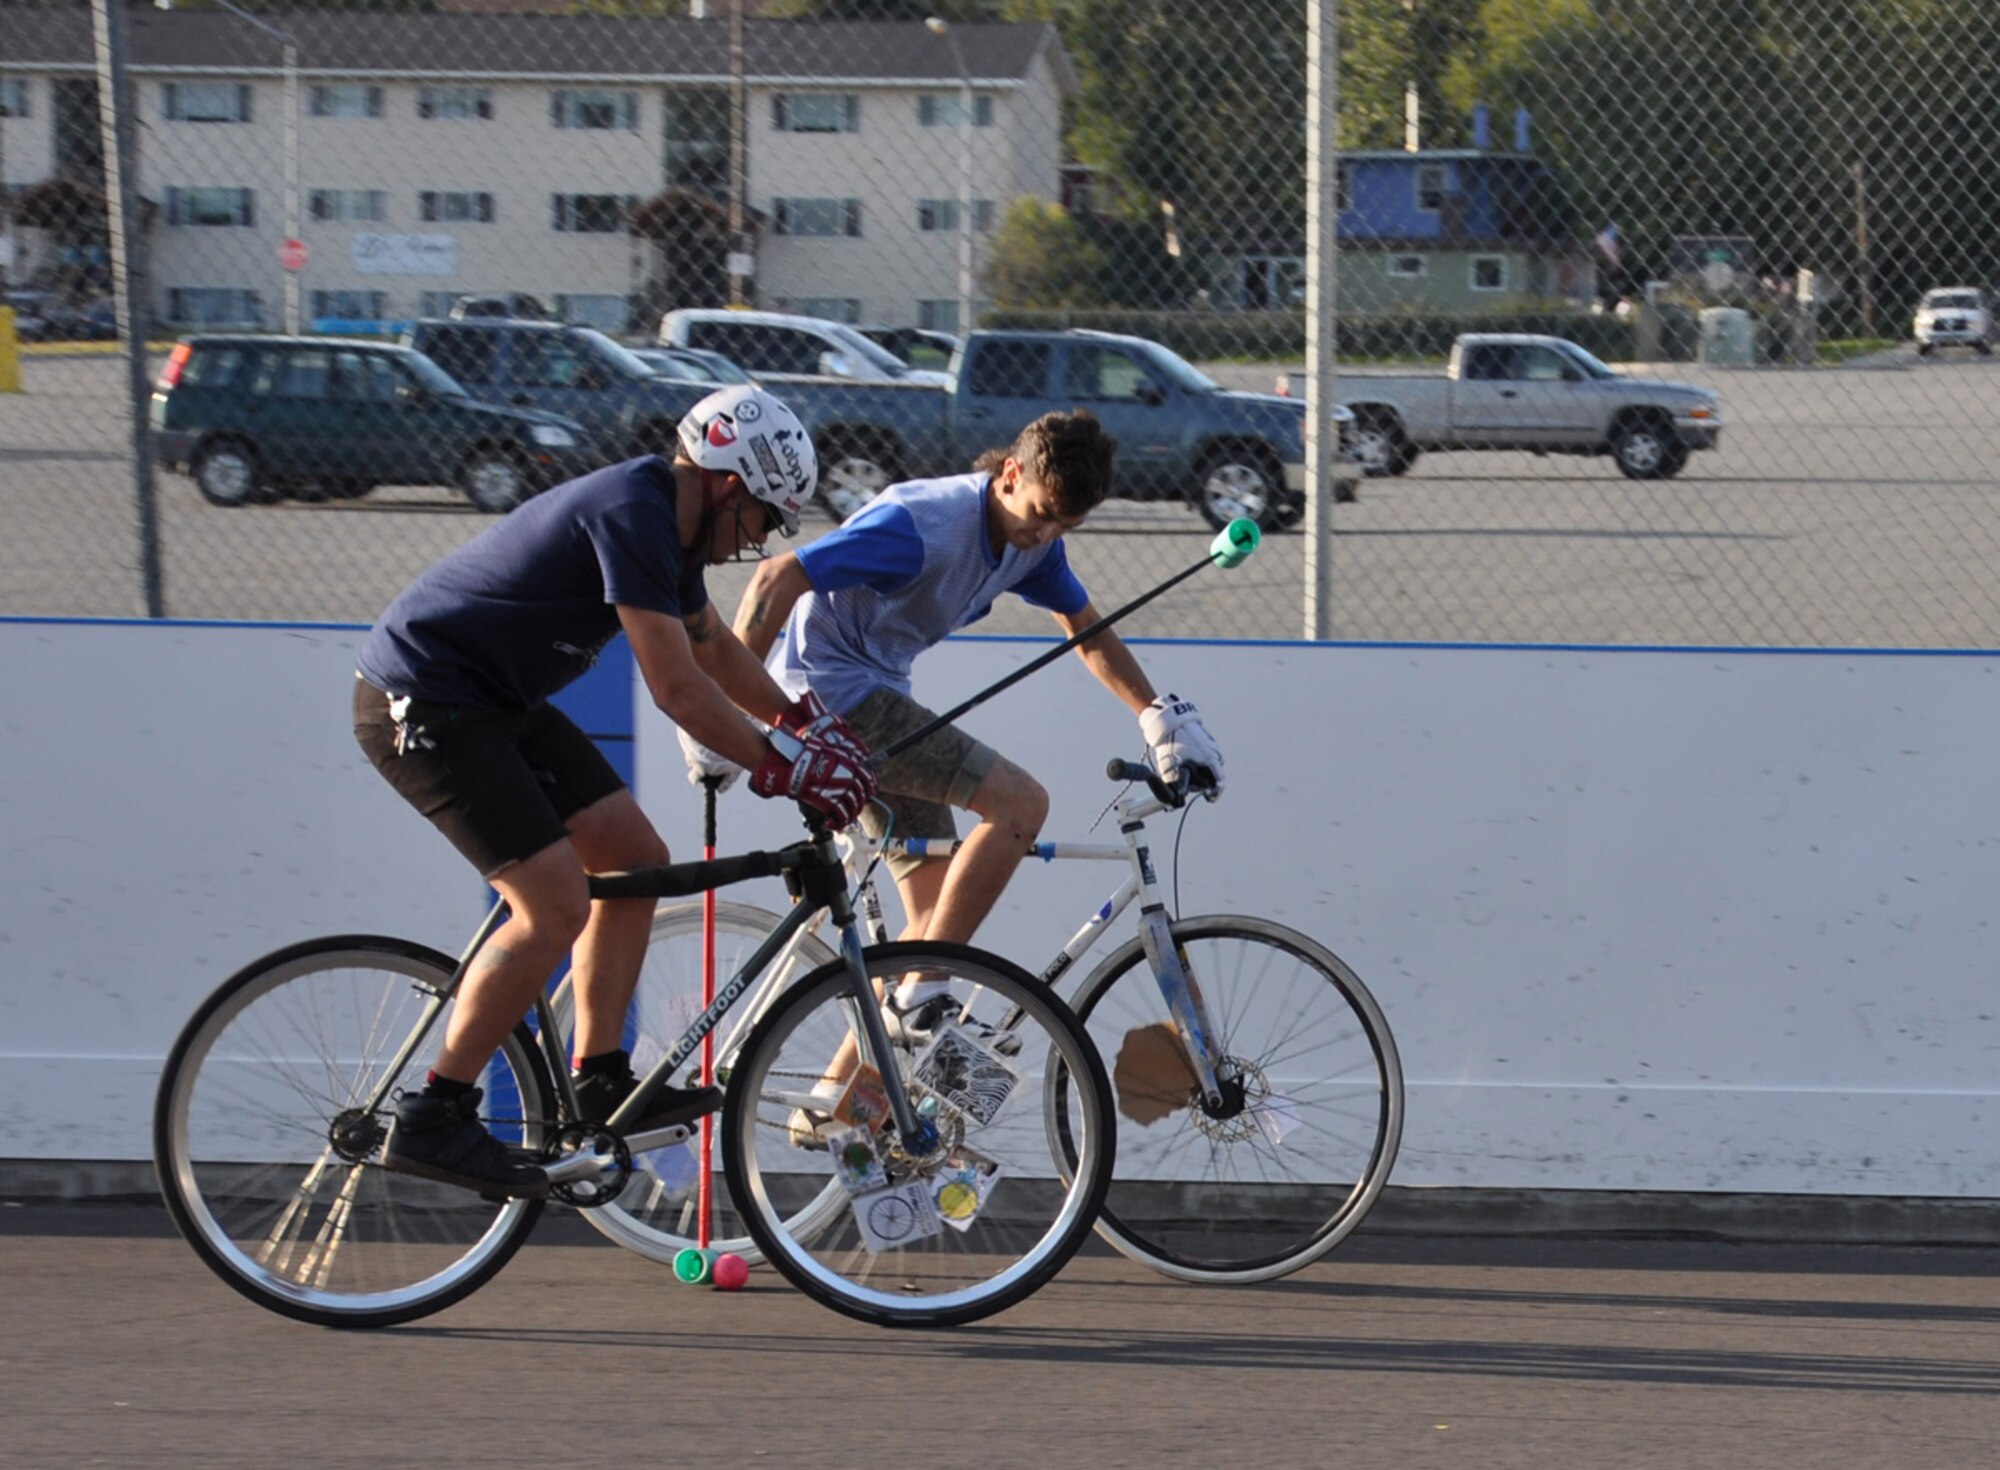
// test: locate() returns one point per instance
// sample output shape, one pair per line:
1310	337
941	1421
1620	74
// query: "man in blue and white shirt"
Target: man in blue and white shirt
917	563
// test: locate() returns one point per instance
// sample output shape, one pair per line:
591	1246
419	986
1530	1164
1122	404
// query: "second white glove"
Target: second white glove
1178	741
704	763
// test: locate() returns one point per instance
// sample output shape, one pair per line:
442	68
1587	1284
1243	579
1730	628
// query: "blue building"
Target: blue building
1438	229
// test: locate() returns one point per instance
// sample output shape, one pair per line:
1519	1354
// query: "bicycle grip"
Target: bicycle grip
1124	770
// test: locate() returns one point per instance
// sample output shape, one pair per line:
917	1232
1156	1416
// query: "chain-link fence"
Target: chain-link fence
1771	218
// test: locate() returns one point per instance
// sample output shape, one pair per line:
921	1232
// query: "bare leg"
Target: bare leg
550	902
611	836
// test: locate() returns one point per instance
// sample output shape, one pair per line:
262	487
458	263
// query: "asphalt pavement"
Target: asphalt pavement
1398	1351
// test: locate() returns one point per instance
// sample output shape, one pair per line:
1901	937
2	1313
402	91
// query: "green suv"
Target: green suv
253	417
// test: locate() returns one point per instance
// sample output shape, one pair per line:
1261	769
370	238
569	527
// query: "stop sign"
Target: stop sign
292	255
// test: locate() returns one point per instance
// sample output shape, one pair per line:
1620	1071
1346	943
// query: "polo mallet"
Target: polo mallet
704	1200
1232	544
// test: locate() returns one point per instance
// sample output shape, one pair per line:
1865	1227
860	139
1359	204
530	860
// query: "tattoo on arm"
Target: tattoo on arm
756	618
704	626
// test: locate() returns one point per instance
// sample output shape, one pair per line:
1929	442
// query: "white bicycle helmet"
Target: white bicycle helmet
744	431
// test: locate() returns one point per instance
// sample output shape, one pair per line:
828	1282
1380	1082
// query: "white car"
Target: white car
773	346
1954	316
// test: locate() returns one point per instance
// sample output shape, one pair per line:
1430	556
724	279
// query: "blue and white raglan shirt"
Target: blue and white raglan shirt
524	607
905	571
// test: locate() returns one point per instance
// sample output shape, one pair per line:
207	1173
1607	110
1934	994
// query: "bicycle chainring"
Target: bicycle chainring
575	1138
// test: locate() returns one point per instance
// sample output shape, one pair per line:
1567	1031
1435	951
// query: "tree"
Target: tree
1040	258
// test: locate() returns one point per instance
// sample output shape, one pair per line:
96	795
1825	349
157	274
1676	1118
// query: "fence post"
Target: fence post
114	114
1322	280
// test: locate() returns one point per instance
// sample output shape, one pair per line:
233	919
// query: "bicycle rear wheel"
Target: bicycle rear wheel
1308	1134
656	1212
957	1232
268	1129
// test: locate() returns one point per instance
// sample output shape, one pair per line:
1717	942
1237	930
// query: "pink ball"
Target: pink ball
730	1272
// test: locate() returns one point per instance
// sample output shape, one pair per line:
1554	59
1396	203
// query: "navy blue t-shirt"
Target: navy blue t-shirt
524	608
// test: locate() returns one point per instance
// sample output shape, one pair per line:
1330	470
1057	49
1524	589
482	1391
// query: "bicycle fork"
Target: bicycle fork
1178	986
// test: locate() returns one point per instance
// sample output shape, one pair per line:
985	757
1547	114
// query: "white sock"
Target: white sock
913	993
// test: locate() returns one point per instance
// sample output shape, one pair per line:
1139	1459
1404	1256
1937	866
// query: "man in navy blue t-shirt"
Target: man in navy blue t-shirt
451	705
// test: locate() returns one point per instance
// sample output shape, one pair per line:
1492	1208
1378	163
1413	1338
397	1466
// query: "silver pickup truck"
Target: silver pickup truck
1514	391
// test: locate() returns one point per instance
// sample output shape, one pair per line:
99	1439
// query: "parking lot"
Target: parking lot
1846	507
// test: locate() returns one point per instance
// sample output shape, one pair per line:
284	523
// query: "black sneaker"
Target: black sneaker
600	1096
916	1028
442	1138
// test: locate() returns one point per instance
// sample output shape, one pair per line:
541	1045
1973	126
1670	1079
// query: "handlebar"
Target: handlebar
1174	795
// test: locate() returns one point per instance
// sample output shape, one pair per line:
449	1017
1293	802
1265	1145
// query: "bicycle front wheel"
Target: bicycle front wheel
1312	1114
657	1212
926	1233
268	1130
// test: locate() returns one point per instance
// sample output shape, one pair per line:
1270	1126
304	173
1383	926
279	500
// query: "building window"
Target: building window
815	112
1488	273
364	306
942	214
938	316
454	207
591	214
449	104
607	313
1406	267
697	126
14	97
211	207
945	110
816	217
828	308
1430	187
346	99
606	112
349	206
207	102
214	306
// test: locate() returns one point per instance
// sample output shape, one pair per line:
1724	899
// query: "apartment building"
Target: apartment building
437	154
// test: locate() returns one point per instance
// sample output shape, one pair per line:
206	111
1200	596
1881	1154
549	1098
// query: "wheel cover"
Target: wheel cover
226	474
1371	447
1643	449
850	482
494	482
1234	490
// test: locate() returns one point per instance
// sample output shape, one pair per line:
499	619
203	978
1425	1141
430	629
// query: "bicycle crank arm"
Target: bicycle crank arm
585	1167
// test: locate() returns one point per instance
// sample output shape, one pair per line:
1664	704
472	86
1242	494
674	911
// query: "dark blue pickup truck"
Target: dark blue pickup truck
1180	435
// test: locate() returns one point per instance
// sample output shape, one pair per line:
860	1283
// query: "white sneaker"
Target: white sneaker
915	1028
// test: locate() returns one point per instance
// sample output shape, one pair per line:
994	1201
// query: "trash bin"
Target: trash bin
1728	338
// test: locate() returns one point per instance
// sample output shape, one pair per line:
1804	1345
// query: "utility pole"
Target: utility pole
1865	284
739	179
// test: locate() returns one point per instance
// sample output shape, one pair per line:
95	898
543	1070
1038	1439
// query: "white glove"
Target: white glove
1178	742
703	763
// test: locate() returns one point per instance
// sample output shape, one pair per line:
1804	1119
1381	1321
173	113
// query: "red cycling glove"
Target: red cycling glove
823	777
811	720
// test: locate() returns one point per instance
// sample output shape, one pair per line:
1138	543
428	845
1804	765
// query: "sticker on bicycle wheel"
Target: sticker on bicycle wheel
892	1218
855	1162
1277	1115
960	1191
965	1075
865	1102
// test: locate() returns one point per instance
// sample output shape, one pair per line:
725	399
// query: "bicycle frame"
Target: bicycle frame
1178	985
819	876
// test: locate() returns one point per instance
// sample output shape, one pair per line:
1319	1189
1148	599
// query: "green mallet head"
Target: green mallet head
1234	542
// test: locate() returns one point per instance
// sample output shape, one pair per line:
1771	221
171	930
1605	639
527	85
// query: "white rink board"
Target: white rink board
1651	920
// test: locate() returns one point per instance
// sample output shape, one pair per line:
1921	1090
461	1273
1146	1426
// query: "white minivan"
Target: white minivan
775	345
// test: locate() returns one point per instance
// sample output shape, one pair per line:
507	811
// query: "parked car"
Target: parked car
576	372
252	417
777	347
1518	391
692	365
1180	436
517	305
34	313
1954	316
918	346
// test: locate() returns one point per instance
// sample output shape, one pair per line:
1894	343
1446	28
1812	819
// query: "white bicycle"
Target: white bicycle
1259	1097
